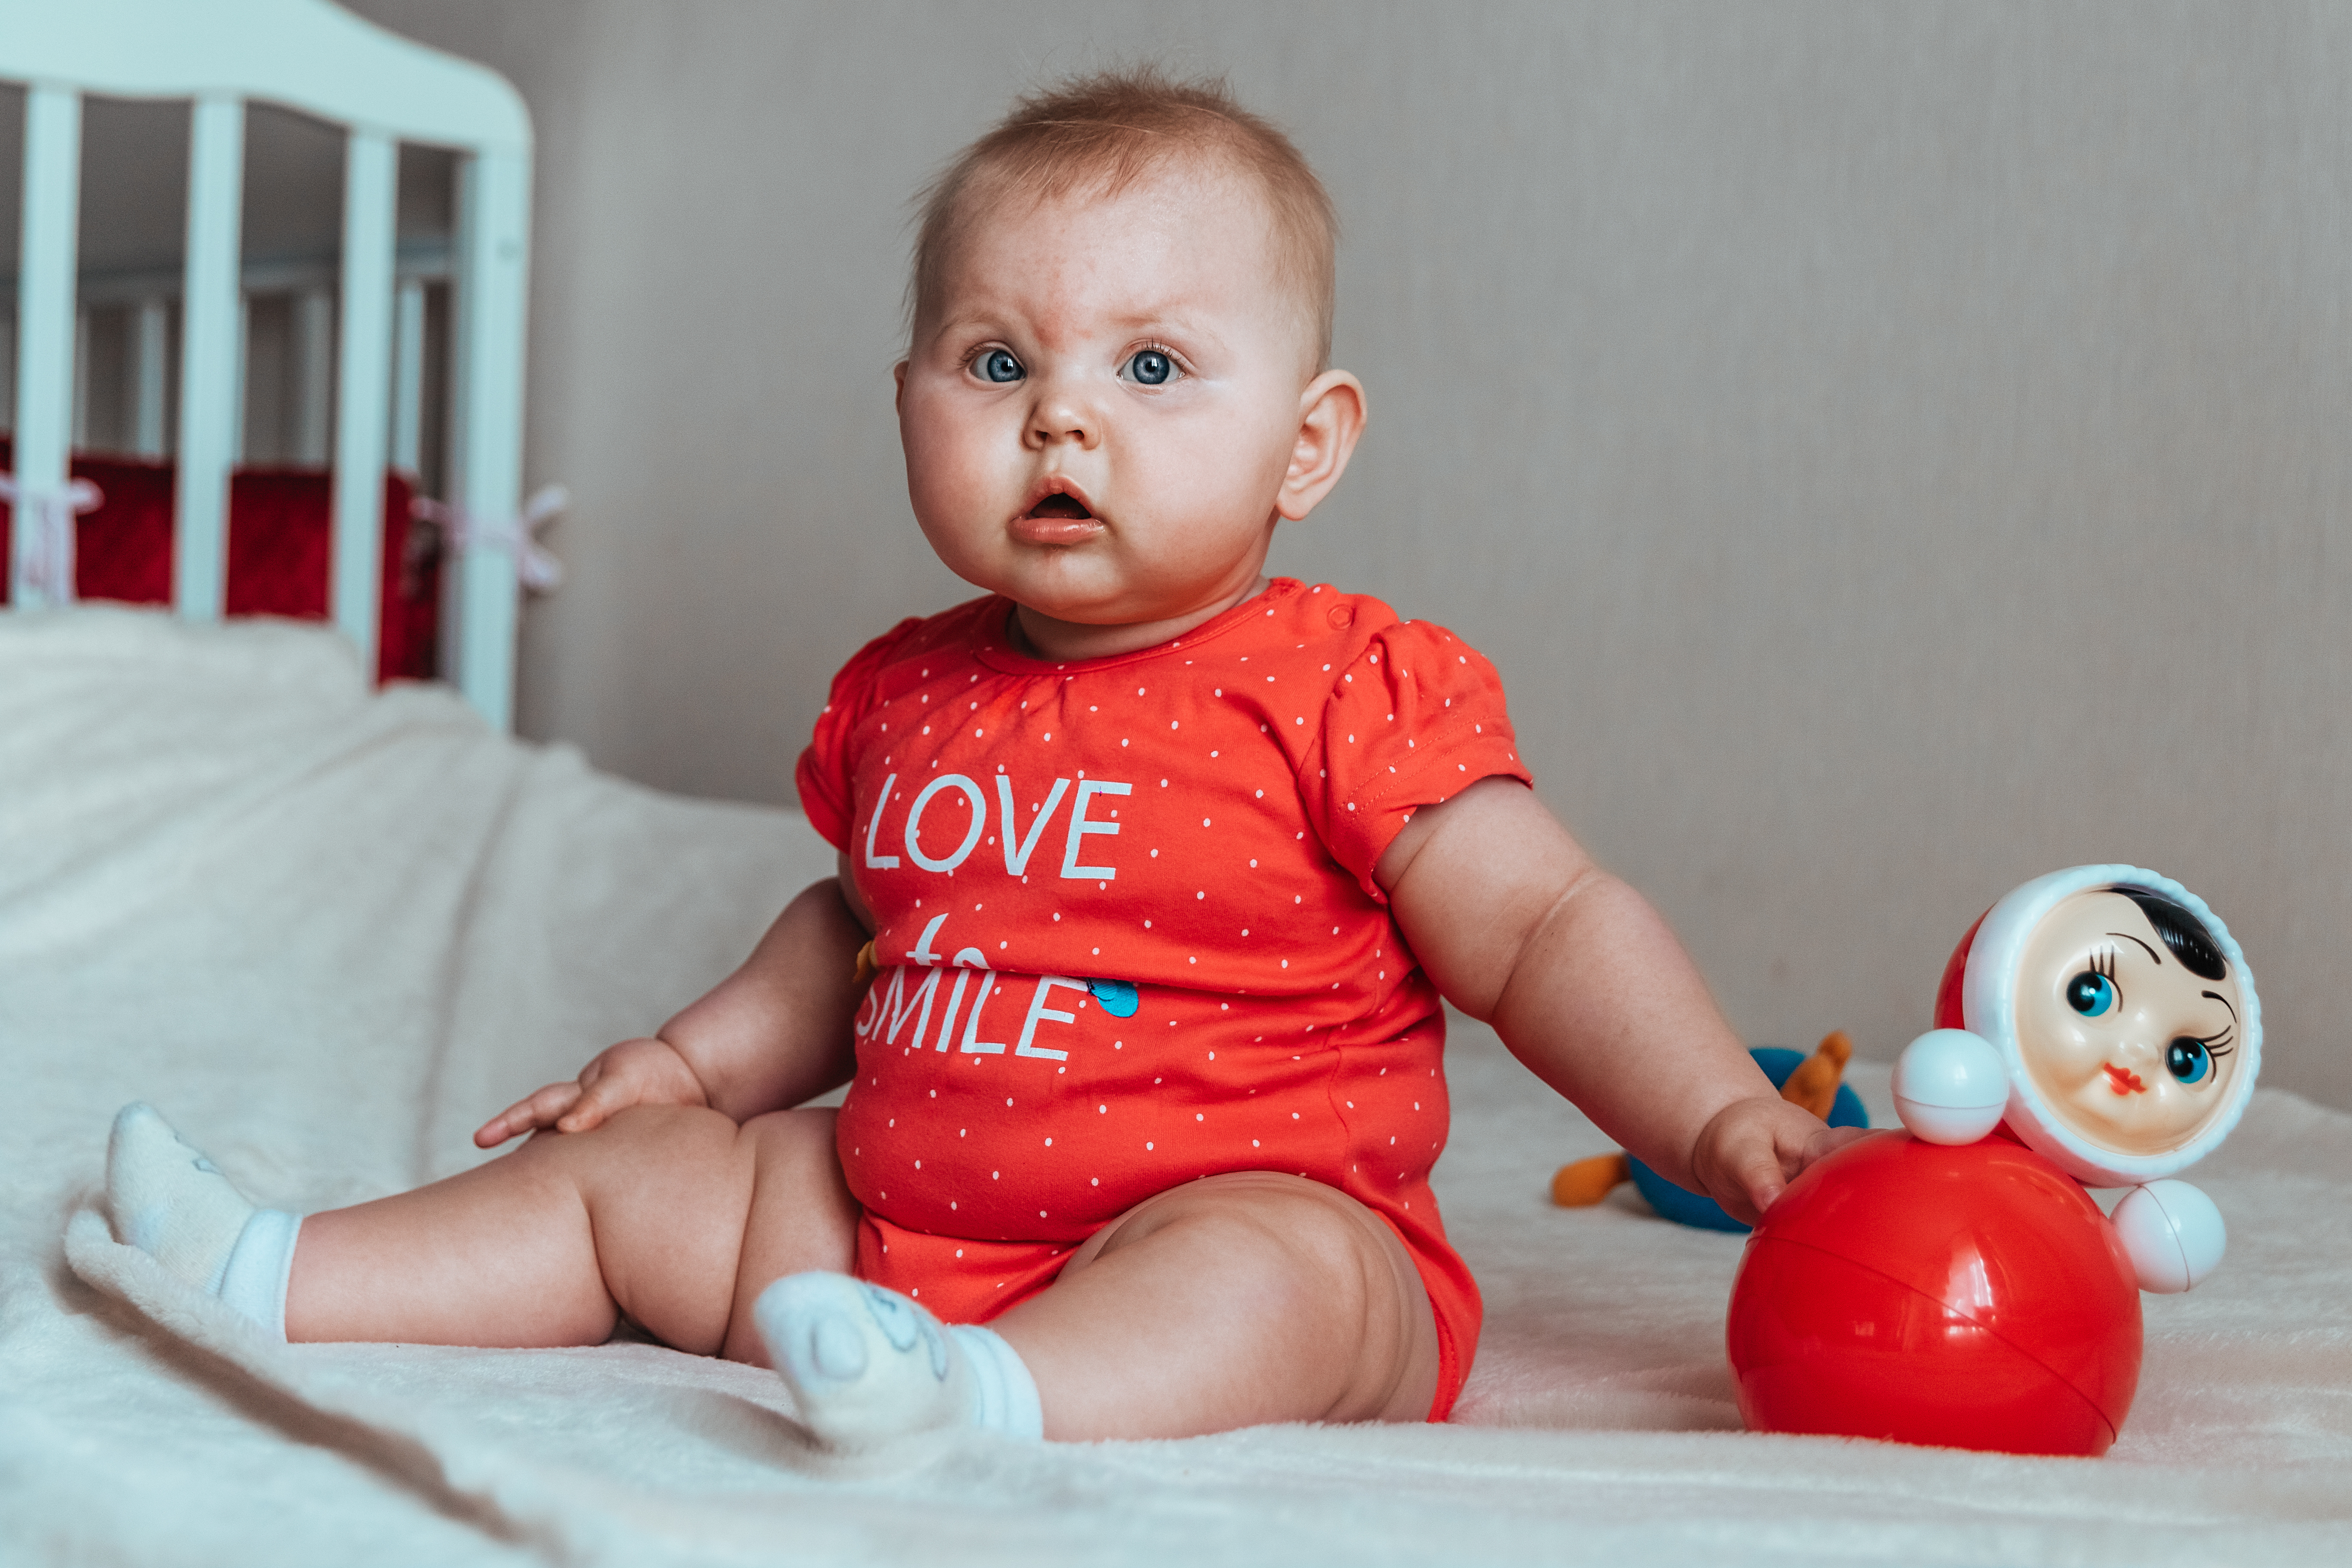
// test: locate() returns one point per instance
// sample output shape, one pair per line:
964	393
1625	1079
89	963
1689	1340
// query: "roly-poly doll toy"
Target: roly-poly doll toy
1953	1283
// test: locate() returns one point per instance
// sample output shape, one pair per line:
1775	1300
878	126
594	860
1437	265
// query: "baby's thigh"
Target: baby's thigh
800	1216
665	1190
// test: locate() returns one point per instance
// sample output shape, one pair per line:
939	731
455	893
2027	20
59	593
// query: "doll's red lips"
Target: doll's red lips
2122	1080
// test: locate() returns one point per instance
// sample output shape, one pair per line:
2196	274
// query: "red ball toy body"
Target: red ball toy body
1970	1296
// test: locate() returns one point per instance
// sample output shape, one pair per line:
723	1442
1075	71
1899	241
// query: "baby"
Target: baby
1153	871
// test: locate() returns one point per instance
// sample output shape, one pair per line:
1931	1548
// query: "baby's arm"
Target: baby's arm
1589	988
771	1035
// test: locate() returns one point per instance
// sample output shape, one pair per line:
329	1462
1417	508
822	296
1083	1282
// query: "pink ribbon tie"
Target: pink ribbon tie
535	567
46	515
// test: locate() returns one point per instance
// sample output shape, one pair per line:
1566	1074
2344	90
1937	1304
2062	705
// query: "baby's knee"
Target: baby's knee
1293	1234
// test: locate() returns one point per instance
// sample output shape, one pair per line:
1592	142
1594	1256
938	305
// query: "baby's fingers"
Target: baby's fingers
1828	1140
1765	1174
598	1098
529	1114
1756	1179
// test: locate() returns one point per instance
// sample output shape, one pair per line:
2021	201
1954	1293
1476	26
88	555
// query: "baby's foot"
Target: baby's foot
867	1364
172	1203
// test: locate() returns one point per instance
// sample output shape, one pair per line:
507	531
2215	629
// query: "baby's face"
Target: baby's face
1102	406
2129	1047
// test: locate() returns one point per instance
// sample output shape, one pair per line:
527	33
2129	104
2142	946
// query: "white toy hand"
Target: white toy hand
1950	1087
2172	1233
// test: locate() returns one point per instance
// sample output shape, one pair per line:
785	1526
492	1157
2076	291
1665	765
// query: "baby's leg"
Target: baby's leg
672	1215
1226	1302
676	1216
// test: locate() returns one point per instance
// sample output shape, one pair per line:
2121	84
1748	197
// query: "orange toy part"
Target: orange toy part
1587	1182
1814	1086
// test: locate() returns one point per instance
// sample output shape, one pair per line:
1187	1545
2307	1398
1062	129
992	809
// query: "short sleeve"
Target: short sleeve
829	765
1415	718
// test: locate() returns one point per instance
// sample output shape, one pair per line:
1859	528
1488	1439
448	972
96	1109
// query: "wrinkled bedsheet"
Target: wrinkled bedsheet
328	930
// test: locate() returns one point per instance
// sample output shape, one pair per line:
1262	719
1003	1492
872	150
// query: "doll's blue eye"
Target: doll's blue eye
2090	994
1151	367
998	365
2188	1060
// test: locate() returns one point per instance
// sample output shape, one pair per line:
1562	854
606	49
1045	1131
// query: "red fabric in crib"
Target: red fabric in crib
279	541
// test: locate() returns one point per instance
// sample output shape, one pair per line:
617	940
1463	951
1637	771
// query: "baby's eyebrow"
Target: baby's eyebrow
2151	952
2224	1001
1174	322
965	325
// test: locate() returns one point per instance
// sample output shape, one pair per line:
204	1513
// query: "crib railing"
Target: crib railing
143	301
308	56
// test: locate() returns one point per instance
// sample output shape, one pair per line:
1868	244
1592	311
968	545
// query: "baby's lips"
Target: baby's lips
1056	530
1061	487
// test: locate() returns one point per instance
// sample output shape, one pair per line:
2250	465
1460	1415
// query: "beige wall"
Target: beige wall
1891	450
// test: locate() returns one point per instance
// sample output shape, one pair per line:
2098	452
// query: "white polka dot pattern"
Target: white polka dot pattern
1181	837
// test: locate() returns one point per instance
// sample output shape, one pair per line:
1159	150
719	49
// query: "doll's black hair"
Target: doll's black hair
2182	933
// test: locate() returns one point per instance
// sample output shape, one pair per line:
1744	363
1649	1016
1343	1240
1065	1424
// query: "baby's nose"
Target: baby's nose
1060	418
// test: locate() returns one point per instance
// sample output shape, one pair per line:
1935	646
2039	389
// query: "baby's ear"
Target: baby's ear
898	382
1330	419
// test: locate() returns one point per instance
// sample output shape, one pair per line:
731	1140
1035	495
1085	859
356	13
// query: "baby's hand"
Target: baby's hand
1753	1148
634	1072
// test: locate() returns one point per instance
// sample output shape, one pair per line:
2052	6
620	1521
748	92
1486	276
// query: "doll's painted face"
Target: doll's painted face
2129	1032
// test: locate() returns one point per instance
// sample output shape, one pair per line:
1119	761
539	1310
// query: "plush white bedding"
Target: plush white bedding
327	932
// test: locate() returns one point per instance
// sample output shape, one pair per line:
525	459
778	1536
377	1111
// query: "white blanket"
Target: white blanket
328	932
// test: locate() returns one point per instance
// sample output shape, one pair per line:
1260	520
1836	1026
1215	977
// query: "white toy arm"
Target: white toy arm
2172	1233
1950	1087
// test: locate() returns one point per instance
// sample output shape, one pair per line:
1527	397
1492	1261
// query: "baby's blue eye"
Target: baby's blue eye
1151	367
2090	994
996	364
2187	1059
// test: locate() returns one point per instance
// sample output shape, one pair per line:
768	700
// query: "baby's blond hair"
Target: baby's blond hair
1103	132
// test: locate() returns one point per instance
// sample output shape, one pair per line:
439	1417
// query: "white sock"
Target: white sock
173	1204
867	1364
260	1266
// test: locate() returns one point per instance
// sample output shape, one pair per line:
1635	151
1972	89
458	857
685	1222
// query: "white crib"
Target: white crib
310	57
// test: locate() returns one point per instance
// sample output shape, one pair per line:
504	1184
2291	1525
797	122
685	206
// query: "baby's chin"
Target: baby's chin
1077	592
1086	588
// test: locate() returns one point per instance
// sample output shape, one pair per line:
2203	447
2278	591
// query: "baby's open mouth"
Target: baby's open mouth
2123	1080
1058	516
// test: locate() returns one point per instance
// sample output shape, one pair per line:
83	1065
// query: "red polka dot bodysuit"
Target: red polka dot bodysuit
1130	934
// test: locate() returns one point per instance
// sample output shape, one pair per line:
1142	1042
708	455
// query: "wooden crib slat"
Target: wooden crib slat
314	375
238	452
364	383
494	229
149	351
44	310
81	379
212	351
408	379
